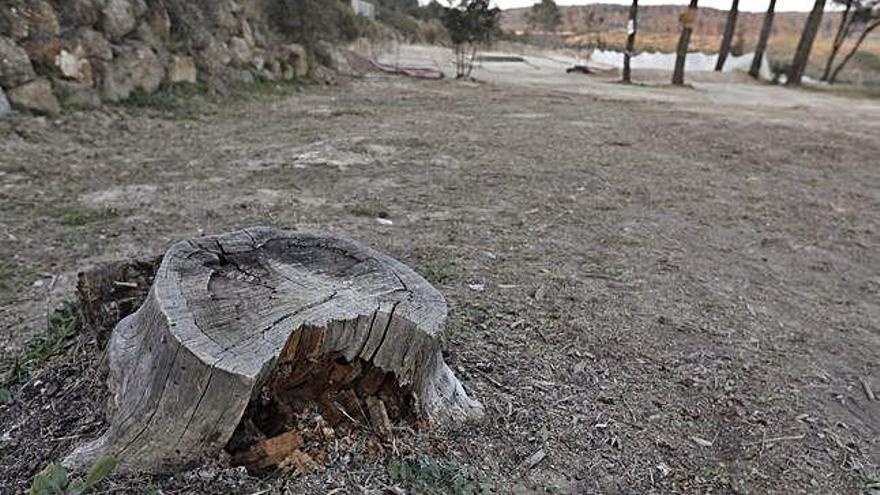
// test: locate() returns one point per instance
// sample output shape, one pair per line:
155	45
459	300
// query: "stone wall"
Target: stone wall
83	52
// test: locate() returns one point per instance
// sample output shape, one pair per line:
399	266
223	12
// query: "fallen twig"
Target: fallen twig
866	384
774	440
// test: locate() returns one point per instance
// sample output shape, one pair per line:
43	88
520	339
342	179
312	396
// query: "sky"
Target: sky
746	5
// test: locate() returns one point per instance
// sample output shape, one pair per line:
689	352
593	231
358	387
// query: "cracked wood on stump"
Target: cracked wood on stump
221	311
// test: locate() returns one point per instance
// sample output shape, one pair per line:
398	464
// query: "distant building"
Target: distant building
363	8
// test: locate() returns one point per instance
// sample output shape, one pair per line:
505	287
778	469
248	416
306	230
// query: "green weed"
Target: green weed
63	324
427	475
79	217
52	480
437	274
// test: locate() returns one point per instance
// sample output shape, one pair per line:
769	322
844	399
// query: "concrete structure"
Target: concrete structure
365	9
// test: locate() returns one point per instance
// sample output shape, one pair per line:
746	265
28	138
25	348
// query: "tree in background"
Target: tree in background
470	24
433	10
631	28
727	39
805	45
687	19
761	47
843	30
545	15
858	14
865	17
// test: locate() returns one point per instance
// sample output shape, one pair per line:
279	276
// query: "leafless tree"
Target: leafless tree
805	45
688	18
761	47
860	16
843	30
727	39
630	40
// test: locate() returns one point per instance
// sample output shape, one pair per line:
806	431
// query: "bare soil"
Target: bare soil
663	298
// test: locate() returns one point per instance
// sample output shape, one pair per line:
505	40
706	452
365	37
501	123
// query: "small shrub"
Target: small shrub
52	480
78	218
63	324
174	100
427	475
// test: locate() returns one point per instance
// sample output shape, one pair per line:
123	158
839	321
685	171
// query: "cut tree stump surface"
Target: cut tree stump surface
221	312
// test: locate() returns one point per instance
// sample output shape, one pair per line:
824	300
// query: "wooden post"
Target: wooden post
688	19
761	47
727	39
631	28
225	311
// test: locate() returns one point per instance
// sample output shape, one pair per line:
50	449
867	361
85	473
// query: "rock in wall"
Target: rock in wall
82	52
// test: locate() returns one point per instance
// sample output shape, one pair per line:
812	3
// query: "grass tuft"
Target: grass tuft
427	475
63	324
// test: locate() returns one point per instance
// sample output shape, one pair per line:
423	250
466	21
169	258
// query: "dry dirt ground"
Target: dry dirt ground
662	297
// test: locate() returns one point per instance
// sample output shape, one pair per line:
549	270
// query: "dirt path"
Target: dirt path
662	299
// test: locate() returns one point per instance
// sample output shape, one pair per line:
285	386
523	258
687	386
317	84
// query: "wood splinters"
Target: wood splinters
270	453
379	417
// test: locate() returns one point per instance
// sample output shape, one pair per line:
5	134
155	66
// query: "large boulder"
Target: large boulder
182	69
42	50
213	57
331	56
15	66
21	19
224	13
118	18
5	108
242	53
80	13
35	96
134	67
145	34
97	50
159	22
75	65
139	7
293	58
13	21
42	19
77	96
230	76
94	44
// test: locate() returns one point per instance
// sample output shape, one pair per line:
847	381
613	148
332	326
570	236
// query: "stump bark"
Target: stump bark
223	311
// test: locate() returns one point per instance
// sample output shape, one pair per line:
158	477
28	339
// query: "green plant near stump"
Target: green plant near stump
52	480
427	475
63	324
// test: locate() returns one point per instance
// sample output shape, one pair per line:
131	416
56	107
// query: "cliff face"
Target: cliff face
83	52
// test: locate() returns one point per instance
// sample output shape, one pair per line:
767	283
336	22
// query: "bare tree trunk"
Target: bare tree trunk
761	47
729	29
687	22
805	46
842	32
852	52
470	63
630	40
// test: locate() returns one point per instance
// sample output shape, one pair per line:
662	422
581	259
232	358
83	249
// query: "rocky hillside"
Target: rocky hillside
79	53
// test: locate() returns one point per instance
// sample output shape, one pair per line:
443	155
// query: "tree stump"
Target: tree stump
225	311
